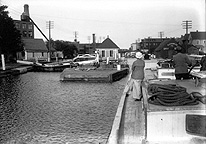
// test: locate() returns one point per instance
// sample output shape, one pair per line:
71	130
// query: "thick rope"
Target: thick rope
171	95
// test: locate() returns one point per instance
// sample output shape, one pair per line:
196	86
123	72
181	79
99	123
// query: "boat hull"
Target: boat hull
38	68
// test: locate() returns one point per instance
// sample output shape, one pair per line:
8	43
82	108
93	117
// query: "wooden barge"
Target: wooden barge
184	124
93	75
50	68
140	122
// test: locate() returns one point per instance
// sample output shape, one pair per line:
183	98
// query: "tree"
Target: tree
10	37
68	49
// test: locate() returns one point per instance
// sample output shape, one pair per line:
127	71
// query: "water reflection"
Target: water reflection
38	108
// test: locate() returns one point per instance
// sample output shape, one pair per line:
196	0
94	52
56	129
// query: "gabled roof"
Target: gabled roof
166	44
107	44
35	45
198	35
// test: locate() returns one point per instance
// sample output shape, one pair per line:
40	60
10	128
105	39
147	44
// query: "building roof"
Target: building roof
150	39
108	44
35	45
198	35
166	44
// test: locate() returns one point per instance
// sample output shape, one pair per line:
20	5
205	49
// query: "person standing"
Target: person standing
181	63
137	76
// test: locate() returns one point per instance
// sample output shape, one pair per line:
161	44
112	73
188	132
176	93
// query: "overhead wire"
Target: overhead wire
65	29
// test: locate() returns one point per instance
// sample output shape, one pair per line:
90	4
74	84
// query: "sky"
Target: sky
123	21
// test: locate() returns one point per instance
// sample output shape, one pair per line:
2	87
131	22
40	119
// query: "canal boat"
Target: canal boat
167	122
52	67
175	120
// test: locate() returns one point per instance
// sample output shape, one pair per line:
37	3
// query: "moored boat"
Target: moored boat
174	118
148	122
50	68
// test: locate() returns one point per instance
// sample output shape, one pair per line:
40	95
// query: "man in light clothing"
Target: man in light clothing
137	76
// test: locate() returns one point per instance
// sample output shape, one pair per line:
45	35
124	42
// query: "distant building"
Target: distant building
88	48
150	44
108	49
33	48
25	26
198	39
135	46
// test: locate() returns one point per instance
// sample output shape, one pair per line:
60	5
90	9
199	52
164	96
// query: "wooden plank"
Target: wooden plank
132	130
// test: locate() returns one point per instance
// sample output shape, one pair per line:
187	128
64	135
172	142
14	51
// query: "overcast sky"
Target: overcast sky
125	21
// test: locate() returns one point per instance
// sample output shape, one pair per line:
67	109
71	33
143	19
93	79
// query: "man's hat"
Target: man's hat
139	55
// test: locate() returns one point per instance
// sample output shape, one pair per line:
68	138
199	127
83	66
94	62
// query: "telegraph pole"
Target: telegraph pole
49	25
187	25
161	34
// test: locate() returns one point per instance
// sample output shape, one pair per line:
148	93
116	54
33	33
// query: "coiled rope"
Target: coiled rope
171	95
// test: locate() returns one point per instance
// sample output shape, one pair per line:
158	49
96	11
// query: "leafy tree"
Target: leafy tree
68	49
10	37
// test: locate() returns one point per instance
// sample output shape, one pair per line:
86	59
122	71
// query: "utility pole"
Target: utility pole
187	25
161	34
2	58
49	25
136	44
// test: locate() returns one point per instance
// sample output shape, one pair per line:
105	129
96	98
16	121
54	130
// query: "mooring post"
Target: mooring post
3	62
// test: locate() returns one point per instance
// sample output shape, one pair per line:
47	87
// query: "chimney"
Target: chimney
25	14
94	42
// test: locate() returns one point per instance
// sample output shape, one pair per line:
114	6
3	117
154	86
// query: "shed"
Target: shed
35	49
108	49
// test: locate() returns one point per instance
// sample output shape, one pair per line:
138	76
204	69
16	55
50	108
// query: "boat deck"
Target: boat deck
132	127
130	124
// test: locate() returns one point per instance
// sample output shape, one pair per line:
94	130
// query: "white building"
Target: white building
198	39
108	49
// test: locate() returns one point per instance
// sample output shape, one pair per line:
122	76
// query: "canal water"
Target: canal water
37	108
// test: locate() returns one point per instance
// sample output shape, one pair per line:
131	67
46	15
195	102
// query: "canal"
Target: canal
37	108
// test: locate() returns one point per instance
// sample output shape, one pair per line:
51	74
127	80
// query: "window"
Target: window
30	26
197	42
23	26
111	53
30	34
17	25
103	53
24	34
42	54
33	54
